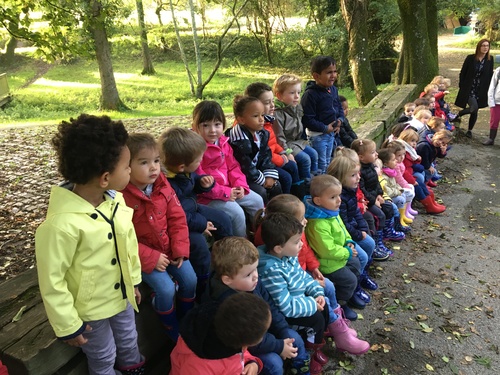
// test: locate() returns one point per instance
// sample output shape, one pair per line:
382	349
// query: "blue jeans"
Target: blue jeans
362	256
368	245
331	300
399	202
323	144
307	161
163	285
421	190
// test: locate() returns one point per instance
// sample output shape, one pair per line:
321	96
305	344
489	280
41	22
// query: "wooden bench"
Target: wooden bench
5	95
28	346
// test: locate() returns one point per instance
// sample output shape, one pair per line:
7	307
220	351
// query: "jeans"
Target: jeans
363	255
323	144
164	287
368	245
399	202
331	300
345	279
421	190
307	161
250	203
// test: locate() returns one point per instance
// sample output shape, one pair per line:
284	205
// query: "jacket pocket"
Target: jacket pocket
87	287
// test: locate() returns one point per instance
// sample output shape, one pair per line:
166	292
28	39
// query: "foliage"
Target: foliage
459	8
384	25
489	14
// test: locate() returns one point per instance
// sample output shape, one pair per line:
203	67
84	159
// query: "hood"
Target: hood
267	260
313	211
312	85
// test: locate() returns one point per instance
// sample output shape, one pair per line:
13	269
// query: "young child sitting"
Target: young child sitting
214	337
290	181
347	135
181	152
231	192
288	125
249	141
407	115
234	264
421	117
323	113
164	258
432	147
86	249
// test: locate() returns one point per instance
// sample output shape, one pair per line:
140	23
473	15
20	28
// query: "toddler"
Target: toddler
422	116
432	147
346	134
407	115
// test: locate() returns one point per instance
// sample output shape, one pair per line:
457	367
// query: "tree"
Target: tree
147	63
355	15
418	61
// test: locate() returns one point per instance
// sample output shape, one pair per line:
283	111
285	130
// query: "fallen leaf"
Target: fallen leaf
429	367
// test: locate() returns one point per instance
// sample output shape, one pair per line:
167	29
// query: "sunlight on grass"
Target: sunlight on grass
50	83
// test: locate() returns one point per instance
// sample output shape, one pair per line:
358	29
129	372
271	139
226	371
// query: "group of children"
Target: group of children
179	213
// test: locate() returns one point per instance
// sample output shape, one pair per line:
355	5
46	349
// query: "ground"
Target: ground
436	307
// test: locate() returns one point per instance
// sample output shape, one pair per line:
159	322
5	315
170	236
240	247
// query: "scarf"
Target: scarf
390	172
410	150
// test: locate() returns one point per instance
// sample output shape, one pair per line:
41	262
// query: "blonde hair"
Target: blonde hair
435	122
393	144
429	87
180	146
437	80
322	182
410	104
408	135
423	113
342	165
446	82
230	254
378	163
361	146
283	82
443	134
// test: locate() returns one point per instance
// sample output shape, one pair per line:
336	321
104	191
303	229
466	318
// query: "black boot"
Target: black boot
491	140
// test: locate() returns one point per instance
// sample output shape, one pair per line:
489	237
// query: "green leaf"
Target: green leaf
19	314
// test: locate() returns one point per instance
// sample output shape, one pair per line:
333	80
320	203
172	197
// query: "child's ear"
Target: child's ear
104	180
316	201
279	96
227	280
277	249
181	167
315	75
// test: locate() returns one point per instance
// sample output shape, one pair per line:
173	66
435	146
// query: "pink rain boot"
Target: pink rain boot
344	341
411	210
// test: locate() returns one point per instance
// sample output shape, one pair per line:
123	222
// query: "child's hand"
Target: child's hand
320	303
289	351
337	127
251	369
210	226
177	262
79	340
206	181
317	275
432	170
285	159
353	248
138	296
419	158
415	183
234	194
291	157
269	182
363	234
162	263
330	128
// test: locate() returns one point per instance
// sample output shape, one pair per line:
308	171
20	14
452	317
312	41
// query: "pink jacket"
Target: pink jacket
160	223
218	161
400	171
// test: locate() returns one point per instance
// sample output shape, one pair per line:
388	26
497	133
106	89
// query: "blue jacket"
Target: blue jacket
428	152
369	184
321	107
351	215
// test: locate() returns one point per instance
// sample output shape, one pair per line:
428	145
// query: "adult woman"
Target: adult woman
474	80
494	104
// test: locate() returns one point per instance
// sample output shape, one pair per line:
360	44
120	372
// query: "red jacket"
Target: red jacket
219	162
408	174
160	223
438	112
276	149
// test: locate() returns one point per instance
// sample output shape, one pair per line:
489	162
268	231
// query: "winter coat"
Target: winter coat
321	107
389	185
160	223
494	89
428	152
293	290
199	351
369	183
219	162
255	161
351	215
346	134
466	80
400	179
87	264
276	150
288	127
328	237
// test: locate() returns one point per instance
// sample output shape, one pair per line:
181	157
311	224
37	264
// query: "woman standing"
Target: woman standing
474	80
494	104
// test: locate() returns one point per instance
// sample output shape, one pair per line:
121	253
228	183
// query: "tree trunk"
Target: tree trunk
10	47
110	100
355	15
147	63
418	60
197	54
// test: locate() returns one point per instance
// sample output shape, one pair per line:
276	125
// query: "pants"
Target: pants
266	194
331	300
112	340
345	279
379	214
315	323
471	110
164	284
307	161
421	190
370	220
494	116
288	175
250	203
323	144
368	246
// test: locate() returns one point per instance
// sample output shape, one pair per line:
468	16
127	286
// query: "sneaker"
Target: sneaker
380	255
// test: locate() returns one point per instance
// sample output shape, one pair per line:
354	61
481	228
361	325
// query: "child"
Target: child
234	264
288	125
494	104
422	116
181	151
346	134
372	190
230	193
283	159
407	115
323	113
215	337
414	172
164	257
249	141
340	258
86	249
432	147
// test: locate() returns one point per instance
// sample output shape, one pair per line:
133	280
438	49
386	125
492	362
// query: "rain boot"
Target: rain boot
410	210
403	219
491	140
170	322
366	282
301	367
340	313
398	227
362	295
317	354
429	206
344	341
407	215
381	252
138	369
389	233
183	306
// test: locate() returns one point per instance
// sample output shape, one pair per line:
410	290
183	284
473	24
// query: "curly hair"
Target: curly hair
256	89
230	254
88	146
240	103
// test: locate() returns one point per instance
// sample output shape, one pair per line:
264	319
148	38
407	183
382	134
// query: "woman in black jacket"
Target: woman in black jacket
474	79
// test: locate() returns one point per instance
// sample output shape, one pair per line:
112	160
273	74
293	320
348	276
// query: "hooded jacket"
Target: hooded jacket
288	127
369	183
351	214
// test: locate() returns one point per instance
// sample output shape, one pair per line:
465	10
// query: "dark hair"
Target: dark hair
320	63
278	228
283	203
242	319
398	128
385	154
422	101
478	49
342	99
180	146
207	110
139	141
240	102
257	89
393	144
88	147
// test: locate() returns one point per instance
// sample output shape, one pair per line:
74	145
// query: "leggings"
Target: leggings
315	323
471	110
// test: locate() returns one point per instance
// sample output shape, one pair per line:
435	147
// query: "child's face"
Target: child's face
438	126
327	77
300	214
245	280
392	162
413	142
253	116
425	119
292	247
190	168
291	95
345	107
409	111
440	142
369	156
211	131
400	156
145	167
330	198
432	103
267	98
352	179
120	177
